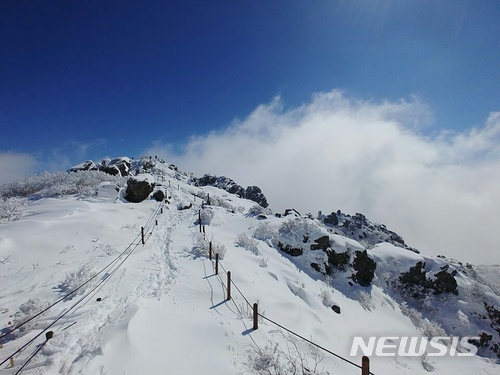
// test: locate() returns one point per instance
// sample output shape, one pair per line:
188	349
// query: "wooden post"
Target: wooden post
217	263
203	229
49	335
255	316
11	362
199	218
365	365
210	251
161	210
142	234
208	199
156	222
228	285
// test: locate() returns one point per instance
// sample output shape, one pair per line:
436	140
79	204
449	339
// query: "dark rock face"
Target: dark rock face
138	190
116	167
159	195
331	219
494	316
361	229
445	282
236	189
123	165
147	164
415	276
338	261
221	182
489	341
417	283
290	250
291	211
316	267
364	267
415	280
486	342
112	170
321	243
255	194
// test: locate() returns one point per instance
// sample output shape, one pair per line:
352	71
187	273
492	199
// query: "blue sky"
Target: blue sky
112	77
389	108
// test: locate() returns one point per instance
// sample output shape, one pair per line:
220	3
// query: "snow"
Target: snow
163	310
145	177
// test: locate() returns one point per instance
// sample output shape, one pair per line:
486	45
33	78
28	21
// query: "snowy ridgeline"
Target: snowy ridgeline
159	305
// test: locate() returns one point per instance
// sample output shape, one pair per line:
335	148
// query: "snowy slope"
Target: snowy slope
162	310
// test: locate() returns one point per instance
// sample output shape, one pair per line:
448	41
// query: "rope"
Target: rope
311	342
289	330
31	357
133	246
72	307
236	286
240	313
79	287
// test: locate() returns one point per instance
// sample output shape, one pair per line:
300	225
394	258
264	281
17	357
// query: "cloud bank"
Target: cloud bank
15	165
440	192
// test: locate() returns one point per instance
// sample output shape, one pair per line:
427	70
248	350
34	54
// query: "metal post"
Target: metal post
365	365
142	234
228	285
210	251
199	218
255	316
217	263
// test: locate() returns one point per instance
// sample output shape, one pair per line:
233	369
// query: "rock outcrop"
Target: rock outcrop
253	193
139	188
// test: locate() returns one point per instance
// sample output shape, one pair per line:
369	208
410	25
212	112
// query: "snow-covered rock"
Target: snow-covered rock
139	187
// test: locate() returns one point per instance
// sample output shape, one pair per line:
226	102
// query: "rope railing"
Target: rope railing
64	297
114	265
215	264
48	336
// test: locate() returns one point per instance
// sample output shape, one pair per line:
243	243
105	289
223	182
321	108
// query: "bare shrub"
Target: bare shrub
247	243
264	232
286	355
50	185
27	310
11	209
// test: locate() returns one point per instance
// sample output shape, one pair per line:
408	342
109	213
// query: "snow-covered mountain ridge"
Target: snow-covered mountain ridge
163	304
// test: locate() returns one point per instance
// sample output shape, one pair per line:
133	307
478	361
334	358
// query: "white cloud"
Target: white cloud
15	165
72	152
440	193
